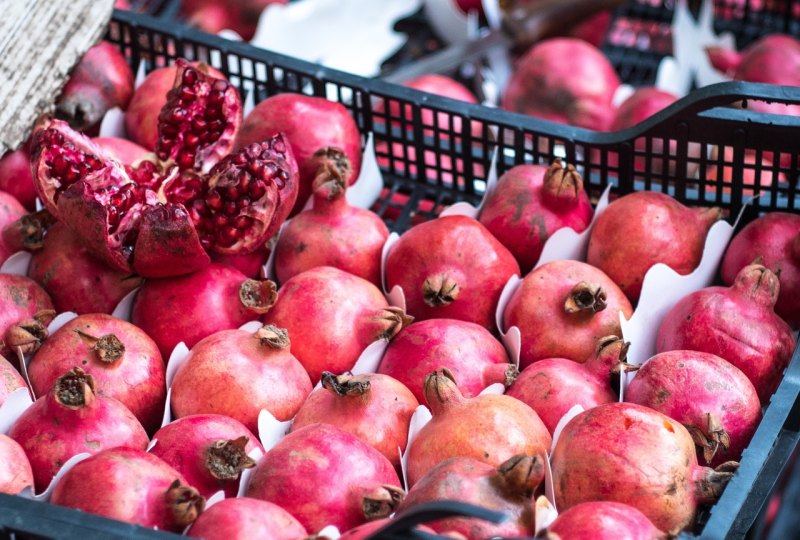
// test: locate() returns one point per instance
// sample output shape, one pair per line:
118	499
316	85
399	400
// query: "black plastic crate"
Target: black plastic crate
427	168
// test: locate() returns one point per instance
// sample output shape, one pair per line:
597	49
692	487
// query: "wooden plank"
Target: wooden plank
40	42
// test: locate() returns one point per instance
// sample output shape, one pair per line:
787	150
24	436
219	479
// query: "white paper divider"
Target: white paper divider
544	515
60	320
367	187
623	92
125	306
153	442
17	264
465	208
549	489
330	532
179	356
574	411
251	327
449	22
271	430
511	337
420	417
219	496
45	495
495	389
244	478
16	403
249	103
368	41
395	297
113	124
141	75
268	270
370	358
706	37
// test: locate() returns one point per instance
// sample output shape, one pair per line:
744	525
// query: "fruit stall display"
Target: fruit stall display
178	219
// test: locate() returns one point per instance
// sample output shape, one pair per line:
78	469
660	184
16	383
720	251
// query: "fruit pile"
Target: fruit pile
180	219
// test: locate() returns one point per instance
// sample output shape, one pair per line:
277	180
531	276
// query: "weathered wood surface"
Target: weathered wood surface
40	42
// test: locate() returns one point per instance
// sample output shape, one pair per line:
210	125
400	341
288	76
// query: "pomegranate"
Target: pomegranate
189	308
593	29
101	81
249	264
16	473
366	531
451	267
123	150
25	312
475	358
375	408
634	455
323	476
603	520
26	233
578	92
530	203
159	217
235	373
213	16
775	237
711	398
332	233
309	123
246	519
565	298
489	428
507	488
141	117
332	316
16	179
440	85
122	360
10	379
10	211
738	324
72	419
75	280
758	172
551	387
137	487
209	450
644	228
641	105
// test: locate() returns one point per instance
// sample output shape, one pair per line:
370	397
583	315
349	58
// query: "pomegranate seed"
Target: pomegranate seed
117	199
243	202
113	217
257	190
220	86
214	200
279	147
199	206
256	168
185	160
60	165
243	222
189	76
230	208
254	150
168	133
240	159
242	181
220	220
215	126
178	115
232	192
227	236
192	140
198	125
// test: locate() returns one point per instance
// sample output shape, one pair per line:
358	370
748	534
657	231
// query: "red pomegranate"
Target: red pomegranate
332	316
246	519
475	358
122	360
159	217
489	428
213	16
451	267
309	123
440	85
16	179
375	408
565	298
507	488
578	92
332	233
365	531
738	324
10	379
552	386
530	203
644	228
593	29
712	398
249	264
775	237
189	308
10	211
101	81
123	150
236	373
26	233
325	476
603	520
16	473
209	450
25	312
138	488
641	105
634	455
74	278
72	418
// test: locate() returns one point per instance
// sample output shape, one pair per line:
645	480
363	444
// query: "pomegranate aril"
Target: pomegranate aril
243	222
230	208
257	190
228	236
214	200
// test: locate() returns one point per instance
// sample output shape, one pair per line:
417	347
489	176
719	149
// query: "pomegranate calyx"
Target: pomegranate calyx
759	284
258	295
75	389
27	233
107	348
585	298
27	335
521	474
273	337
562	185
710	437
394	319
708	216
226	459
345	385
382	502
440	390
713	481
511	374
333	172
185	503
440	290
